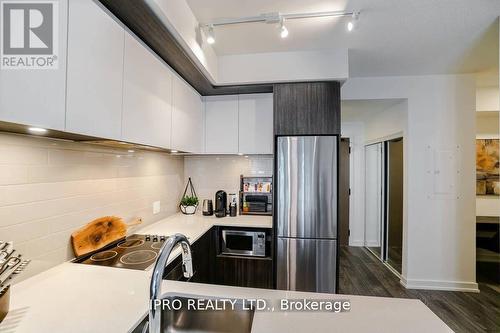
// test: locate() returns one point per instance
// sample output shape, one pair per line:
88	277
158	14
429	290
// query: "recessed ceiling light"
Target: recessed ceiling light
131	151
37	130
174	151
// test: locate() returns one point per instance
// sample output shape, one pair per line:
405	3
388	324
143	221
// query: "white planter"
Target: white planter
189	210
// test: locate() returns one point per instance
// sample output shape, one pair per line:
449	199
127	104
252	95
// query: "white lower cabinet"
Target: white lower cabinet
187	118
95	71
221	124
255	125
147	97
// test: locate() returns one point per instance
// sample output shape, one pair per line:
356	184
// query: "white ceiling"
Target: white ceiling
394	37
361	110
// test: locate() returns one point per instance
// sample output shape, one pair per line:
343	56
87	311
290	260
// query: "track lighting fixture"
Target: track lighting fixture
351	25
275	18
283	29
210	34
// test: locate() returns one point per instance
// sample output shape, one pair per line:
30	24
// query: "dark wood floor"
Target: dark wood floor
362	274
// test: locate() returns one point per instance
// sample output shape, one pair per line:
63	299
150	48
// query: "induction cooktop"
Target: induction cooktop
133	252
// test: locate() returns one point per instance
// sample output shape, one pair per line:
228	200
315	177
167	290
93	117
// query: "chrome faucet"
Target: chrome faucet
156	279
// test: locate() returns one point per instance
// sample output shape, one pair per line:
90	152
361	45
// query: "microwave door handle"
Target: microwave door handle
238	232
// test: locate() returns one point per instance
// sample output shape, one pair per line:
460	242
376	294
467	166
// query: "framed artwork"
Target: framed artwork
487	167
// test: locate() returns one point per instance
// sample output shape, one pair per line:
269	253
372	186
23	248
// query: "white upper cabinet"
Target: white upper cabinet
221	124
147	97
187	118
256	124
95	71
36	97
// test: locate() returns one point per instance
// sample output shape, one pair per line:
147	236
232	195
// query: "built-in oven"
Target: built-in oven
243	242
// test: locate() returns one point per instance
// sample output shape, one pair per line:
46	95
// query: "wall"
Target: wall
222	172
487	98
388	123
487	127
439	227
49	188
284	67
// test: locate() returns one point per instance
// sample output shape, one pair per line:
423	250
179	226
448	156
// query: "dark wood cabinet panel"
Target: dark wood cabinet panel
311	108
344	191
209	267
203	256
174	270
244	272
203	251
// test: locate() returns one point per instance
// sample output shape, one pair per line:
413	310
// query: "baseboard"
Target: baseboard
440	285
356	243
372	244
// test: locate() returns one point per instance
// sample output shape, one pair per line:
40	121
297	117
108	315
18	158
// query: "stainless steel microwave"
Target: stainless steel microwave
246	243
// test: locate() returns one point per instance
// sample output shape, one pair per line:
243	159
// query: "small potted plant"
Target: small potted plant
189	202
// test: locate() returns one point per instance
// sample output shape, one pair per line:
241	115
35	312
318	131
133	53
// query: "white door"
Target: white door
37	97
187	117
95	71
221	124
256	124
147	97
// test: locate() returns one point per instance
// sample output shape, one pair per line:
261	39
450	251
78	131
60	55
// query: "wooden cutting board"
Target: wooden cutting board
99	233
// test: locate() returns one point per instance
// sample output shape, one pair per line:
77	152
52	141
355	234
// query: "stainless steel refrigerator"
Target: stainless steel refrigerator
306	213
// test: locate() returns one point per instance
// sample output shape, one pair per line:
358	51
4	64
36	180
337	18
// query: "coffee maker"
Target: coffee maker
220	203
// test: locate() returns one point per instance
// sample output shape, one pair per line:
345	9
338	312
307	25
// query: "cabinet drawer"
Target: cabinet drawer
244	272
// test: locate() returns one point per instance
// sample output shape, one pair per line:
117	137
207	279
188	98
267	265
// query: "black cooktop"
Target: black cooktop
133	252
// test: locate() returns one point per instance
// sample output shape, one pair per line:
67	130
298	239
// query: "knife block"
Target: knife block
4	302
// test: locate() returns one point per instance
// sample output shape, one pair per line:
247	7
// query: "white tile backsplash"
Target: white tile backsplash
49	188
222	172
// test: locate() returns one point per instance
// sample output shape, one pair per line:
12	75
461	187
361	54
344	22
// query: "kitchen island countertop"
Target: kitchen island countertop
82	298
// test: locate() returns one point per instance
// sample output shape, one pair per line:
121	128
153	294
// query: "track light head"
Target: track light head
283	29
352	24
210	34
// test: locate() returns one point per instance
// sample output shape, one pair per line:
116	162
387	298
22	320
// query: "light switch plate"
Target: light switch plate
156	207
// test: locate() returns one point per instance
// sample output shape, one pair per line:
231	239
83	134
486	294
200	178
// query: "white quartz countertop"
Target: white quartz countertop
194	226
82	298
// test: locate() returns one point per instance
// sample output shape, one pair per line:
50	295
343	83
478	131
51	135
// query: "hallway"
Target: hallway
362	274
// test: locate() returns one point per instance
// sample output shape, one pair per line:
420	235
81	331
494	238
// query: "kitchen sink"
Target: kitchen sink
237	319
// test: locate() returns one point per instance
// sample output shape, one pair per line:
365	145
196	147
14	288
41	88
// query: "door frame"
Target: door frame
385	204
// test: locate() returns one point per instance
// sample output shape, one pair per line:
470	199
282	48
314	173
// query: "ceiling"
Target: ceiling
361	110
394	37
